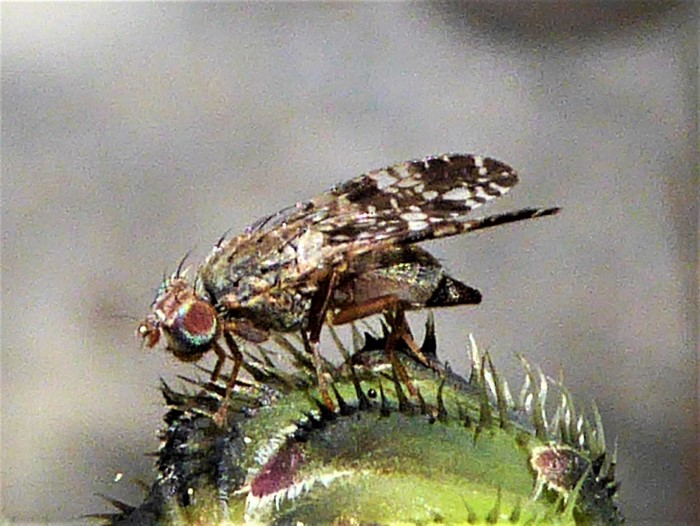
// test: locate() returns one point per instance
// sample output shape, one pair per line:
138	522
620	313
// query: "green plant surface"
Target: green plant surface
442	450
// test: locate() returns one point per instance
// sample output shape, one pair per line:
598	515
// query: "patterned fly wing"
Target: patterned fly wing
448	186
406	203
416	196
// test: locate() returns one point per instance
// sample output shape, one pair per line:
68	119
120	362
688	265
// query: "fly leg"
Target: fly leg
405	334
383	304
317	316
363	310
399	331
220	359
220	415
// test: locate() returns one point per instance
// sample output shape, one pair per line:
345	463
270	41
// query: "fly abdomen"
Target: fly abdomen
451	292
409	274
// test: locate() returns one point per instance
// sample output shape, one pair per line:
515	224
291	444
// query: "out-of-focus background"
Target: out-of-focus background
132	133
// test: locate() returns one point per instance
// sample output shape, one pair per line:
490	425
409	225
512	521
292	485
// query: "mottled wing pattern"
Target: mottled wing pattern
444	187
412	201
402	204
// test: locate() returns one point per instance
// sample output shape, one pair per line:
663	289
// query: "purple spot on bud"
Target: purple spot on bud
279	472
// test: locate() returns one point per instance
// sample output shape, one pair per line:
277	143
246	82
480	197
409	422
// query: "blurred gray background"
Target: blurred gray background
132	133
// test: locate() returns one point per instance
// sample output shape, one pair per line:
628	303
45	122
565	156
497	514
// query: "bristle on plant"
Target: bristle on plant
458	450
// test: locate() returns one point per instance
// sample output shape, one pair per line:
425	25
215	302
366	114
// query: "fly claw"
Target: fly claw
342	256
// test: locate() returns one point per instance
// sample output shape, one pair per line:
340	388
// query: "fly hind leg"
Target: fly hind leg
391	306
399	331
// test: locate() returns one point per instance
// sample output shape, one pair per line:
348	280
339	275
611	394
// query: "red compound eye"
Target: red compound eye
200	319
195	327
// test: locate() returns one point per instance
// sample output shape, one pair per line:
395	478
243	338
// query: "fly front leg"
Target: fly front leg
220	415
220	359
